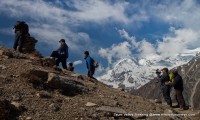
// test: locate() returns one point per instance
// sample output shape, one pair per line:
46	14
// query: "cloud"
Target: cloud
146	50
78	62
117	51
50	21
184	13
180	41
99	10
103	11
125	35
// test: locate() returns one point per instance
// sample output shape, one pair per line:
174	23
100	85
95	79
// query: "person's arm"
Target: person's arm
176	81
162	79
89	64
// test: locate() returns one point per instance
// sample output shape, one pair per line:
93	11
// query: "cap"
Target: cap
175	71
165	69
71	64
62	40
86	52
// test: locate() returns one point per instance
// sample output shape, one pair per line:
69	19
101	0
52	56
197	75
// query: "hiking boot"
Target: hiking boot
181	109
176	106
186	108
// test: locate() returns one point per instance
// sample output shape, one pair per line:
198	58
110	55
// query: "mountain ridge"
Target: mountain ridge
134	73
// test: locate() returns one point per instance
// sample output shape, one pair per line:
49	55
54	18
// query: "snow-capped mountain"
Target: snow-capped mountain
135	72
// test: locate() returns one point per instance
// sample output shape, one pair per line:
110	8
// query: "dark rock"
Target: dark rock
36	77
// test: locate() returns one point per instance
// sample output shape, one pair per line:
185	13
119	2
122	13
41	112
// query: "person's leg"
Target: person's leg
178	105
57	62
166	95
21	42
55	54
180	98
17	37
91	73
64	62
88	74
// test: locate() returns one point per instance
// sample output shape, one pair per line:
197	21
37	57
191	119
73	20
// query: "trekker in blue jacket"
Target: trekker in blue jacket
89	64
61	54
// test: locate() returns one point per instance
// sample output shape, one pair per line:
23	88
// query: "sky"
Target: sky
110	29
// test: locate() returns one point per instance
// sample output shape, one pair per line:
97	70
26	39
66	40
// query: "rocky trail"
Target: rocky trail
32	89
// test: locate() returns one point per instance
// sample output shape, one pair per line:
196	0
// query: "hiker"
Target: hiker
61	54
70	67
90	64
178	87
165	85
21	30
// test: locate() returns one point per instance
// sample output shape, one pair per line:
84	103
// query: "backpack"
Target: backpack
94	63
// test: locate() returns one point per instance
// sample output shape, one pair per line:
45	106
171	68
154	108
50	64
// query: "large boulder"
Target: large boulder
68	85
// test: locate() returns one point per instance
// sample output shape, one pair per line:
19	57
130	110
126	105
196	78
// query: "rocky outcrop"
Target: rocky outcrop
68	85
190	73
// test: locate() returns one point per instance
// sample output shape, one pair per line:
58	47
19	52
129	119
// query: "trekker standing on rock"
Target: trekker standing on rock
61	54
90	63
21	30
165	85
178	87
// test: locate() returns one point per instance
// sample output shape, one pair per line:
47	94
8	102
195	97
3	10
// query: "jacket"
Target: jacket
178	82
63	50
90	63
164	78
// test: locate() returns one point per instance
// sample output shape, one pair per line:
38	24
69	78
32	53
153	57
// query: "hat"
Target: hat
62	40
86	52
175	72
71	64
165	69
